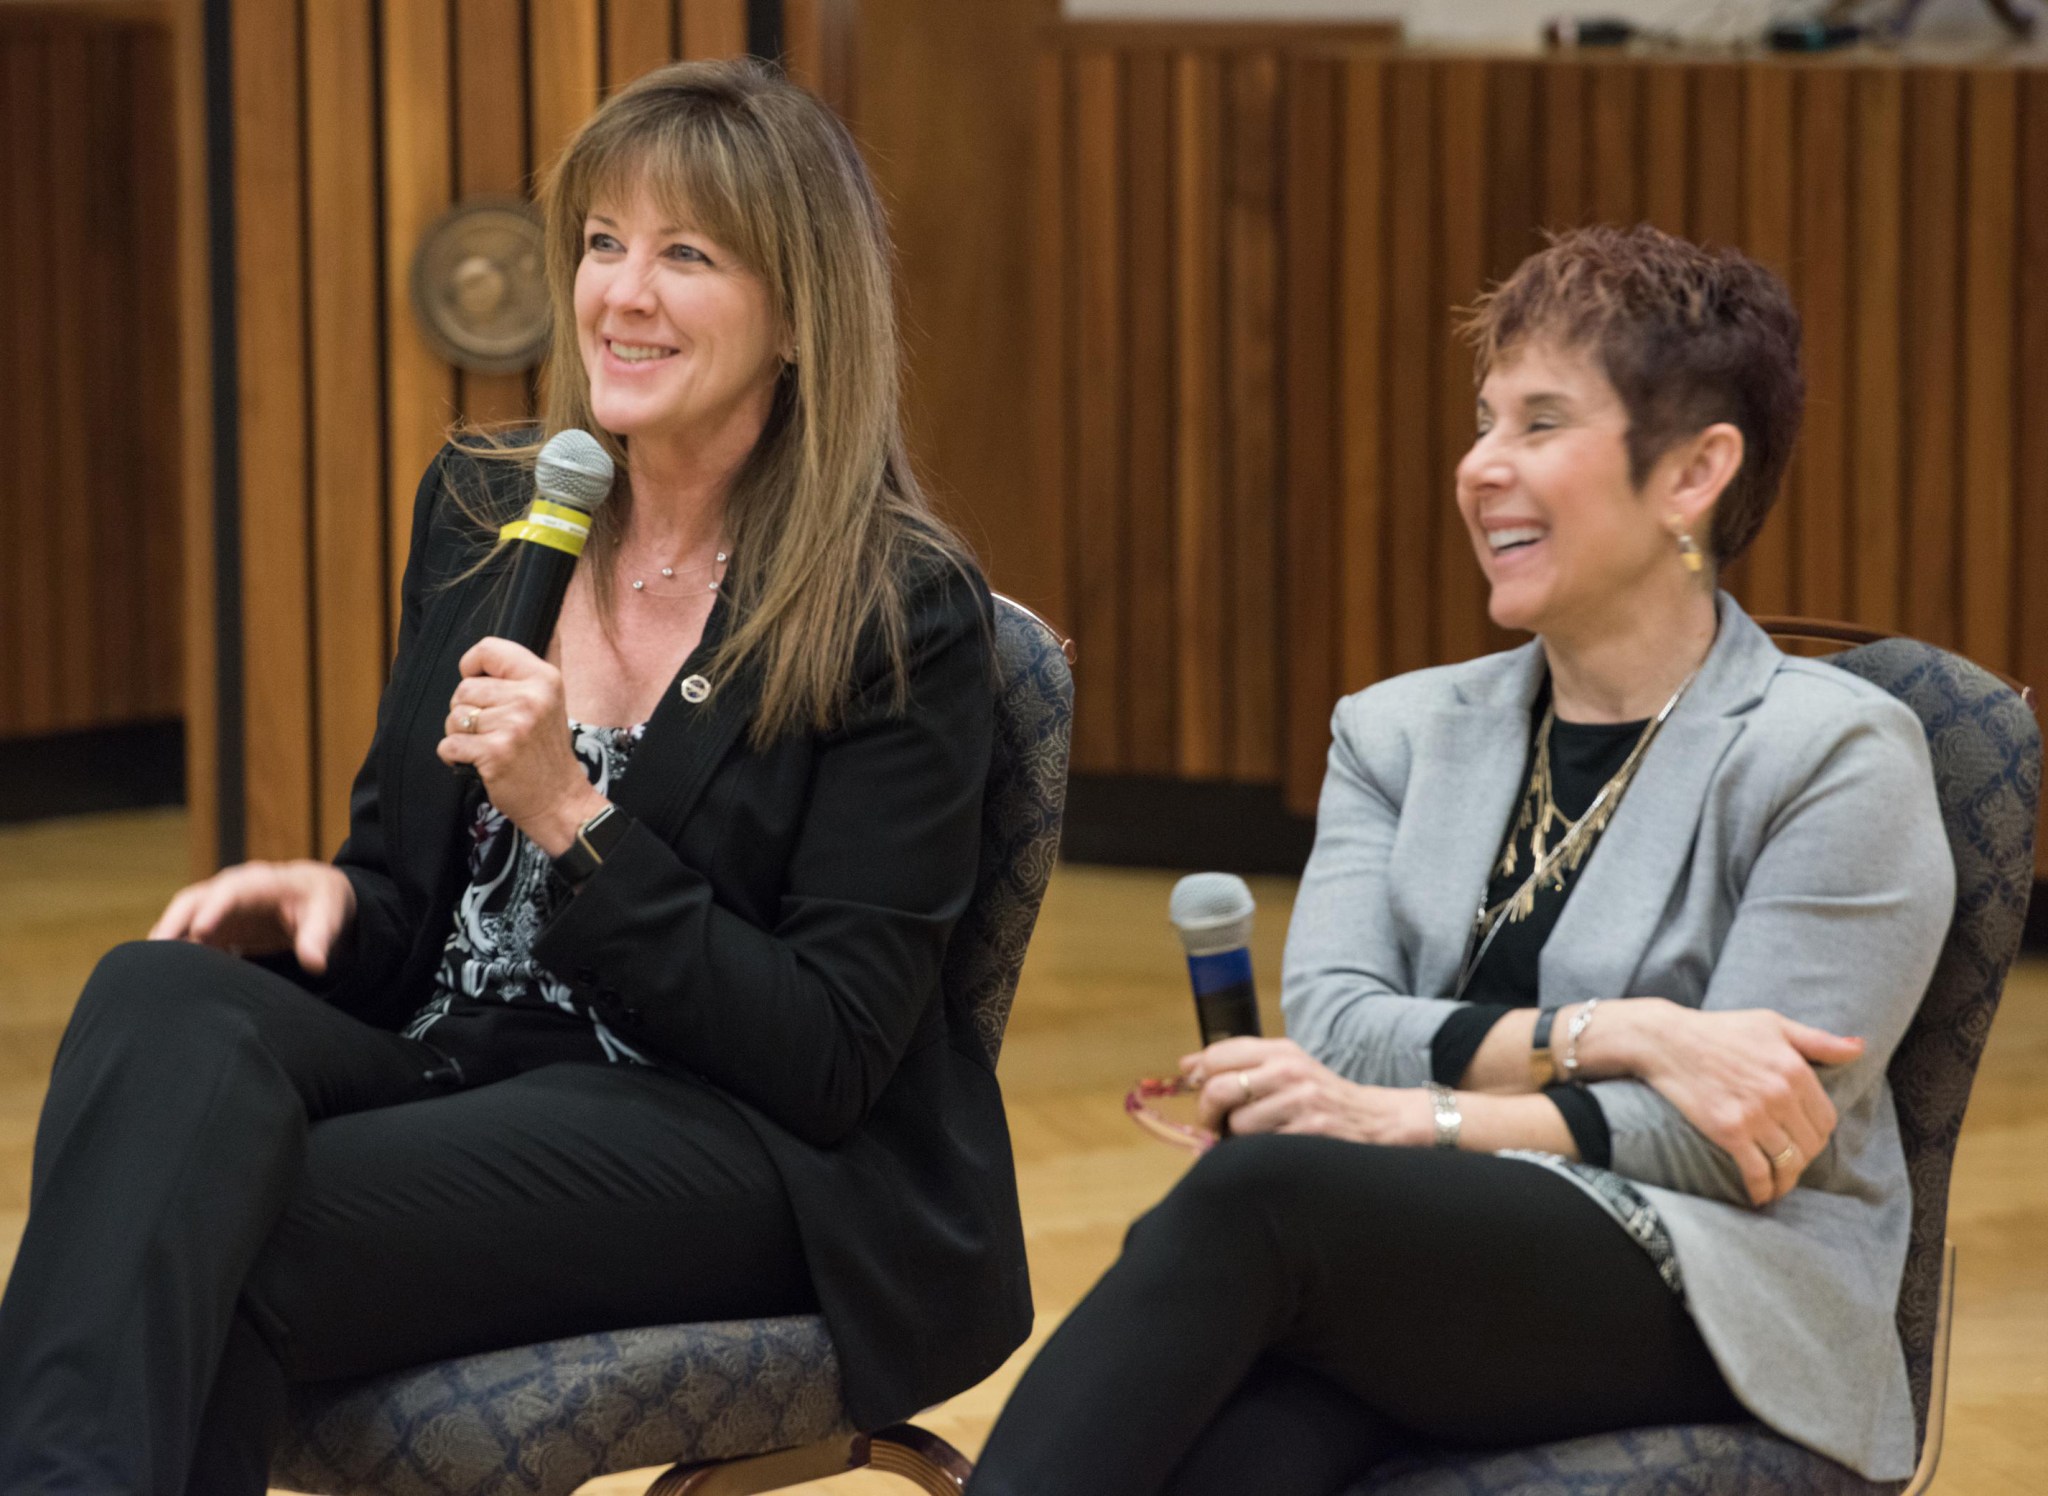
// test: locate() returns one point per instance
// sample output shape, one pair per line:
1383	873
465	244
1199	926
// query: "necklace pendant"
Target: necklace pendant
668	571
638	585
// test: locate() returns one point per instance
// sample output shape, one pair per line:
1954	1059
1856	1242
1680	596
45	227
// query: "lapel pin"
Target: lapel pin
695	689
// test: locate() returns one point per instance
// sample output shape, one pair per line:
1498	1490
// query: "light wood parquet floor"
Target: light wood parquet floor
1103	1000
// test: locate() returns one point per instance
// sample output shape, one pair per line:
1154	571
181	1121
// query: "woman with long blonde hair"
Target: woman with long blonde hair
641	1023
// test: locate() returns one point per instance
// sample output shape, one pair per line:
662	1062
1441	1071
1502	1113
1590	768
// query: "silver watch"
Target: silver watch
1443	1102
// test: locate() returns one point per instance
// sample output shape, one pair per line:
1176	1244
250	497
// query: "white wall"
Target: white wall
1519	22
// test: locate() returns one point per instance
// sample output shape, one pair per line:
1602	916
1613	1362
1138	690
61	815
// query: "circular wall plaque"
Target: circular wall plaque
479	289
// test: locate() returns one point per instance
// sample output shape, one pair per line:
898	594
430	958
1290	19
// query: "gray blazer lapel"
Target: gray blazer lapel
1621	894
1461	791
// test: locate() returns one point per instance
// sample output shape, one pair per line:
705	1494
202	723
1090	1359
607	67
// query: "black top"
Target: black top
1583	757
774	922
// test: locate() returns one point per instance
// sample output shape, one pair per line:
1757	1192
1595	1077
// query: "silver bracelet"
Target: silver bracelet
1443	1103
1569	1065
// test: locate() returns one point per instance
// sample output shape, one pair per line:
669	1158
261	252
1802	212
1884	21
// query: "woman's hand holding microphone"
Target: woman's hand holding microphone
508	719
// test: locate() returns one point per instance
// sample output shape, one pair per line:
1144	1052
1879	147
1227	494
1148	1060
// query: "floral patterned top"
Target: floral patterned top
513	893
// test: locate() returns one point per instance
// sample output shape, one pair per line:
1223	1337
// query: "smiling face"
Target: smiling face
1565	538
677	335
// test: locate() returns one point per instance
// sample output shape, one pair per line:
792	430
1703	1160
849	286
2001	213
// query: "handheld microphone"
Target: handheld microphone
1213	914
573	475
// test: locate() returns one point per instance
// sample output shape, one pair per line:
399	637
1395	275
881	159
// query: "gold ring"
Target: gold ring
1244	1079
1786	1158
468	722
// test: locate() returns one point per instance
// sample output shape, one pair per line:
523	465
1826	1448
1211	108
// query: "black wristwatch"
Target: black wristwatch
595	840
1542	1063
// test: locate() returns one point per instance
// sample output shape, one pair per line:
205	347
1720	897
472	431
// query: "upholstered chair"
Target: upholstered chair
746	1406
1987	768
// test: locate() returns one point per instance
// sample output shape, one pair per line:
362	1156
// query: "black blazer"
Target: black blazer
775	924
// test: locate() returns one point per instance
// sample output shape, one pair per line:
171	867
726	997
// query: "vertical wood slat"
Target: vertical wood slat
1412	326
1049	350
1615	164
1667	146
73	298
1461	236
1717	130
196	456
1149	706
491	131
1768	226
1933	157
1251	382
1825	257
639	36
1564	145
1100	391
2030	353
277	664
1990	222
158	445
418	185
1360	362
115	534
712	28
563	69
1202	598
821	42
28	106
1876	462
15	304
346	400
1514	156
1310	490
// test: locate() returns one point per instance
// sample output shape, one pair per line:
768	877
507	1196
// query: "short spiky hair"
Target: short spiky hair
1686	335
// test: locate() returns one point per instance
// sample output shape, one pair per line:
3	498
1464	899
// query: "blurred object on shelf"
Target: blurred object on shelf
2019	17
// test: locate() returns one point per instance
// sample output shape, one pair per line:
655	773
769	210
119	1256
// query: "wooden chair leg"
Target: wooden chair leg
920	1457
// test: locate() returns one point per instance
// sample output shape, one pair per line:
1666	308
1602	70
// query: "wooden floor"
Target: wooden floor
1104	1000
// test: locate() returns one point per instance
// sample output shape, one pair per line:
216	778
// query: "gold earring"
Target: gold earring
1689	553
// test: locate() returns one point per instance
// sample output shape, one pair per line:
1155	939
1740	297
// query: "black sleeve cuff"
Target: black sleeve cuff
1451	1051
1580	1109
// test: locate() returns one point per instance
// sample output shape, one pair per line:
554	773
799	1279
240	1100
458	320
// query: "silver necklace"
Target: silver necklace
670	573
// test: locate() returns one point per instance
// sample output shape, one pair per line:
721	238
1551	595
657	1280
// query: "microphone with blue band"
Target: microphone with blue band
1212	912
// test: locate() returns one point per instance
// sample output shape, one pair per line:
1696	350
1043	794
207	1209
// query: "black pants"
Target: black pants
1299	1309
236	1186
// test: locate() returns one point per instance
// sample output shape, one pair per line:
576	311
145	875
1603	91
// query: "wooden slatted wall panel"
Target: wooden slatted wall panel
358	122
1321	210
90	599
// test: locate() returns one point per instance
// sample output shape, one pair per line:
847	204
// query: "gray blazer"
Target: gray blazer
1780	847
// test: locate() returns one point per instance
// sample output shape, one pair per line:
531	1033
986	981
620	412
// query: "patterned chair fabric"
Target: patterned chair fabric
1986	749
541	1420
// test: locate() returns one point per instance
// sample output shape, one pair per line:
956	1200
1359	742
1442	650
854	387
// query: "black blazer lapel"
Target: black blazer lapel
686	740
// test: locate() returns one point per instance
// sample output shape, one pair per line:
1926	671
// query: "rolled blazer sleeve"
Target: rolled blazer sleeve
372	950
807	1020
1345	978
1839	924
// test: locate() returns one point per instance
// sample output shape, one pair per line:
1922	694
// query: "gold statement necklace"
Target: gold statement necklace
1538	815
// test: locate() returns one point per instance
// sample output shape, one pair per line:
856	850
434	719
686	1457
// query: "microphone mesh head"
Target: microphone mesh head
1212	912
575	470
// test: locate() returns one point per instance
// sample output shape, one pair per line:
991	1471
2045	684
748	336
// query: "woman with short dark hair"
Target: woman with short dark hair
1564	1139
642	1024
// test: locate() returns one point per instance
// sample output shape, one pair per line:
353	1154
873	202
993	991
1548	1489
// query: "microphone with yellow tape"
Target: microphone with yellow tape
572	476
